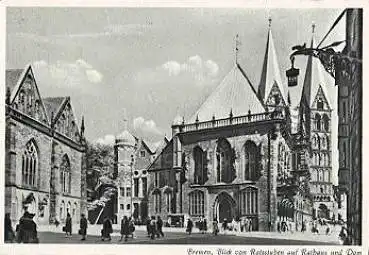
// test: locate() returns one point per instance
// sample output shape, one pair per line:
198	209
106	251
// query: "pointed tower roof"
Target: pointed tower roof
315	77
270	73
235	93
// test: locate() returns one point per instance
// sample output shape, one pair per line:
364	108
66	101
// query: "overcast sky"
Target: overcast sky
155	63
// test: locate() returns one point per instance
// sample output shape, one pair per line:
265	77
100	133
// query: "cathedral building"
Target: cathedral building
45	153
233	158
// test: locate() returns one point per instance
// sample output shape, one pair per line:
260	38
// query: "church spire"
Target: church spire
315	76
270	75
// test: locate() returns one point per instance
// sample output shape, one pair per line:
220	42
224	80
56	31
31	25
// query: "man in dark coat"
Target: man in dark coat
8	229
27	229
107	229
83	227
189	226
159	227
153	227
68	225
124	228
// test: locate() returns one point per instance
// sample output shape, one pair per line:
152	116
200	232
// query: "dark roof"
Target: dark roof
12	76
52	104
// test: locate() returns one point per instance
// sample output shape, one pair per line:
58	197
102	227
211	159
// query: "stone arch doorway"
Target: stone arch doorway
224	207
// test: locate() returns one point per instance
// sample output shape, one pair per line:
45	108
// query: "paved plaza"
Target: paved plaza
51	234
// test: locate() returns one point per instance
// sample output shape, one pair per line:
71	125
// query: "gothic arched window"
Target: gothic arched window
251	160
200	174
318	122
197	203
225	171
30	165
326	122
65	175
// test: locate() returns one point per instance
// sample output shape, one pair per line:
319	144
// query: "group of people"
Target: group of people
154	227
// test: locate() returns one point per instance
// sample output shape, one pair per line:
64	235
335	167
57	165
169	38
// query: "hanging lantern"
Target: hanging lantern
292	74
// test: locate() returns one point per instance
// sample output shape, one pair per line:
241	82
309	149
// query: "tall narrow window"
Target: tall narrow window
200	174
225	171
157	201
251	157
168	200
65	175
326	122
136	187
196	203
29	165
144	186
318	122
320	104
249	201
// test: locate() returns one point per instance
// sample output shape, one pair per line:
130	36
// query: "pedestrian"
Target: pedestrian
327	230
27	229
234	225
107	229
148	227
153	227
303	227
225	226
68	226
83	227
215	227
200	225
279	226
159	227
189	226
8	229
205	225
131	227
124	229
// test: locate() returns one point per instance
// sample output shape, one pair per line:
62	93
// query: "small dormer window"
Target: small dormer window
320	104
142	154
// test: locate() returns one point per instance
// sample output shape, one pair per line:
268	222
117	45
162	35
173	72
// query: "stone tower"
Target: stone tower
316	124
125	144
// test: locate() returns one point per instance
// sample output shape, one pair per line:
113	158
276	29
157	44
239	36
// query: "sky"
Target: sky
151	64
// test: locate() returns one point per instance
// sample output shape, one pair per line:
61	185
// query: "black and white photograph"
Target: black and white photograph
208	126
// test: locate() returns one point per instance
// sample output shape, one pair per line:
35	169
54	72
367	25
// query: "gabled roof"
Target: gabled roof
235	93
270	73
15	79
53	105
315	77
161	161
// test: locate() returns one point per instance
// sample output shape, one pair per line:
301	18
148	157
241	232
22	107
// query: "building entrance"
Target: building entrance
224	207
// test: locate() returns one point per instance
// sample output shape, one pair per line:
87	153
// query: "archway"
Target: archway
224	207
323	211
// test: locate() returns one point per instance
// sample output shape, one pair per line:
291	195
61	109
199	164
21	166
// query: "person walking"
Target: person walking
68	226
159	226
204	226
153	227
131	227
215	227
8	229
148	227
83	227
27	229
189	226
124	229
225	226
107	229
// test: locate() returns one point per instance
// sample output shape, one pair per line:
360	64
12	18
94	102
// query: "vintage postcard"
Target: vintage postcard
184	125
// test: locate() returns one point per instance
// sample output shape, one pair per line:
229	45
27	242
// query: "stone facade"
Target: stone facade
350	87
41	157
